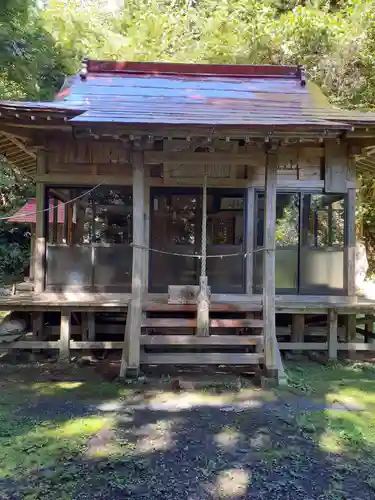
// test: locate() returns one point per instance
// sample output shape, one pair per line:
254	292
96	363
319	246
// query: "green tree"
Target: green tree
31	67
335	39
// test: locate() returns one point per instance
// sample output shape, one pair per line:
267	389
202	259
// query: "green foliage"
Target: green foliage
335	39
14	238
31	64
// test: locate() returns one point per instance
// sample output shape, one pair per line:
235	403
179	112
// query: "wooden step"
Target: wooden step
160	306
192	323
193	340
201	358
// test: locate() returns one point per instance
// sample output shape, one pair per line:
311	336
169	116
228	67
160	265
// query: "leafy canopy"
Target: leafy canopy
41	40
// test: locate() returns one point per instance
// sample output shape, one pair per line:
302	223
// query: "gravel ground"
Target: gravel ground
182	449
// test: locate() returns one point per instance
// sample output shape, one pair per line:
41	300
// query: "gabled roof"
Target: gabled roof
194	94
135	93
245	98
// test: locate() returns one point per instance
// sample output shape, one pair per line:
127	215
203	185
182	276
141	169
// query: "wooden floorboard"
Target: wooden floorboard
214	358
118	302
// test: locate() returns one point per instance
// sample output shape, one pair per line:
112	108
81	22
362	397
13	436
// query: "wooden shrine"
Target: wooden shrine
208	211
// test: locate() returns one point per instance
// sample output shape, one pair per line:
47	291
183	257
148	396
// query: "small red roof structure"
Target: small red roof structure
27	214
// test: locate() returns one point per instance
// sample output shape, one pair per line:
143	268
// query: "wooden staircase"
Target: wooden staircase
168	337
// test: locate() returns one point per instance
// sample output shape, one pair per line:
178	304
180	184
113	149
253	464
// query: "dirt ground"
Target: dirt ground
68	434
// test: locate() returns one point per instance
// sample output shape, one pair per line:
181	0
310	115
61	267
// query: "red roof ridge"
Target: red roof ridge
170	68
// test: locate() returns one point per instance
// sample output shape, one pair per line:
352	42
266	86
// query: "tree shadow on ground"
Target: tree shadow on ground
155	444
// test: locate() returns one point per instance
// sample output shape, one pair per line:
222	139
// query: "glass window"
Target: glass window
322	244
55	218
92	239
112	215
101	216
310	237
287	239
323	220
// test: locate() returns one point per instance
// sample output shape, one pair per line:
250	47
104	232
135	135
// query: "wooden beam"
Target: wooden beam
40	239
185	157
332	334
293	184
30	345
249	239
84	179
65	334
269	310
355	346
192	323
14	131
130	358
193	340
201	358
20	145
170	340
303	346
92	345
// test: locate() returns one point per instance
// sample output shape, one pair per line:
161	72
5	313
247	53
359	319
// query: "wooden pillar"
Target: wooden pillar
40	239
250	220
351	242
203	308
369	327
298	328
269	310
91	326
32	253
38	323
88	326
332	334
67	217
55	202
350	250
146	253
203	302
65	334
131	351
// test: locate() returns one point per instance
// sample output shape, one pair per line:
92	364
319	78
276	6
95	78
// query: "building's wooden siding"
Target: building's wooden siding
175	162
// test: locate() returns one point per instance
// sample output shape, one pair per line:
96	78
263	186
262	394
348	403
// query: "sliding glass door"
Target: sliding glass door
322	244
309	243
287	242
176	228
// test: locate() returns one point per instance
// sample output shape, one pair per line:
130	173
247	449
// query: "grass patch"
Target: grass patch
43	452
350	428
